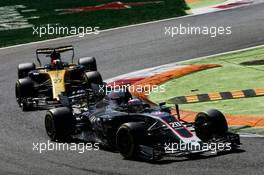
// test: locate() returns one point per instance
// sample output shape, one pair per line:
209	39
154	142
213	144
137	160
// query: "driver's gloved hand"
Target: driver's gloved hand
47	66
65	64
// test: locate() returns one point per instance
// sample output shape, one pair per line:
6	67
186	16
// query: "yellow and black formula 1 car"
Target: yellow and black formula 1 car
41	87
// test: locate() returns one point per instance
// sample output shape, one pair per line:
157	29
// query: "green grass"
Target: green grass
232	76
203	3
102	18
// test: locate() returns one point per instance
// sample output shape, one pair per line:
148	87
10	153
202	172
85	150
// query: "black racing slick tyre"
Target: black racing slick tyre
210	124
93	77
89	63
128	138
24	89
60	124
24	68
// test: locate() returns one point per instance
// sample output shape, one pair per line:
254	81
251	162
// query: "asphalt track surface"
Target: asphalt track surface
118	52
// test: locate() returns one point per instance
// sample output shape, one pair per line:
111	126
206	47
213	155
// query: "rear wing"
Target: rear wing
57	49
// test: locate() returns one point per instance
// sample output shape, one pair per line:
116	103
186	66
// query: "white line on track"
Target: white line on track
249	135
221	54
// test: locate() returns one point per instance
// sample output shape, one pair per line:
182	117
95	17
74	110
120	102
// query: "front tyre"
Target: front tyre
93	77
60	124
89	63
210	124
24	68
128	138
24	90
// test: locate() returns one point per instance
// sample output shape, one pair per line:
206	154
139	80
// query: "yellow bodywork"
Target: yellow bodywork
57	80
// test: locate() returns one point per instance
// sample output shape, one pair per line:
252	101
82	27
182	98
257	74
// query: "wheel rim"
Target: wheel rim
203	128
49	125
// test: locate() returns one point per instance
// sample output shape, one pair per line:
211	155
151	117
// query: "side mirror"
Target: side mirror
162	104
177	111
164	108
146	105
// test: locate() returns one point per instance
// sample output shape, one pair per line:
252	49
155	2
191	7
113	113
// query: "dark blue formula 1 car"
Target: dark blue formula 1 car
137	130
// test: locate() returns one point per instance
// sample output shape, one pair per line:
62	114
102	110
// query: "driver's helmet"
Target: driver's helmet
135	105
120	96
55	59
55	55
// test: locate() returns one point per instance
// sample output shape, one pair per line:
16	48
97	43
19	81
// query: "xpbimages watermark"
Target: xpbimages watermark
43	147
212	147
49	29
212	31
146	88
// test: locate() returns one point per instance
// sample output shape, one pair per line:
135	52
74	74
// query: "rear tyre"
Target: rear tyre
60	124
89	63
210	124
24	68
128	138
